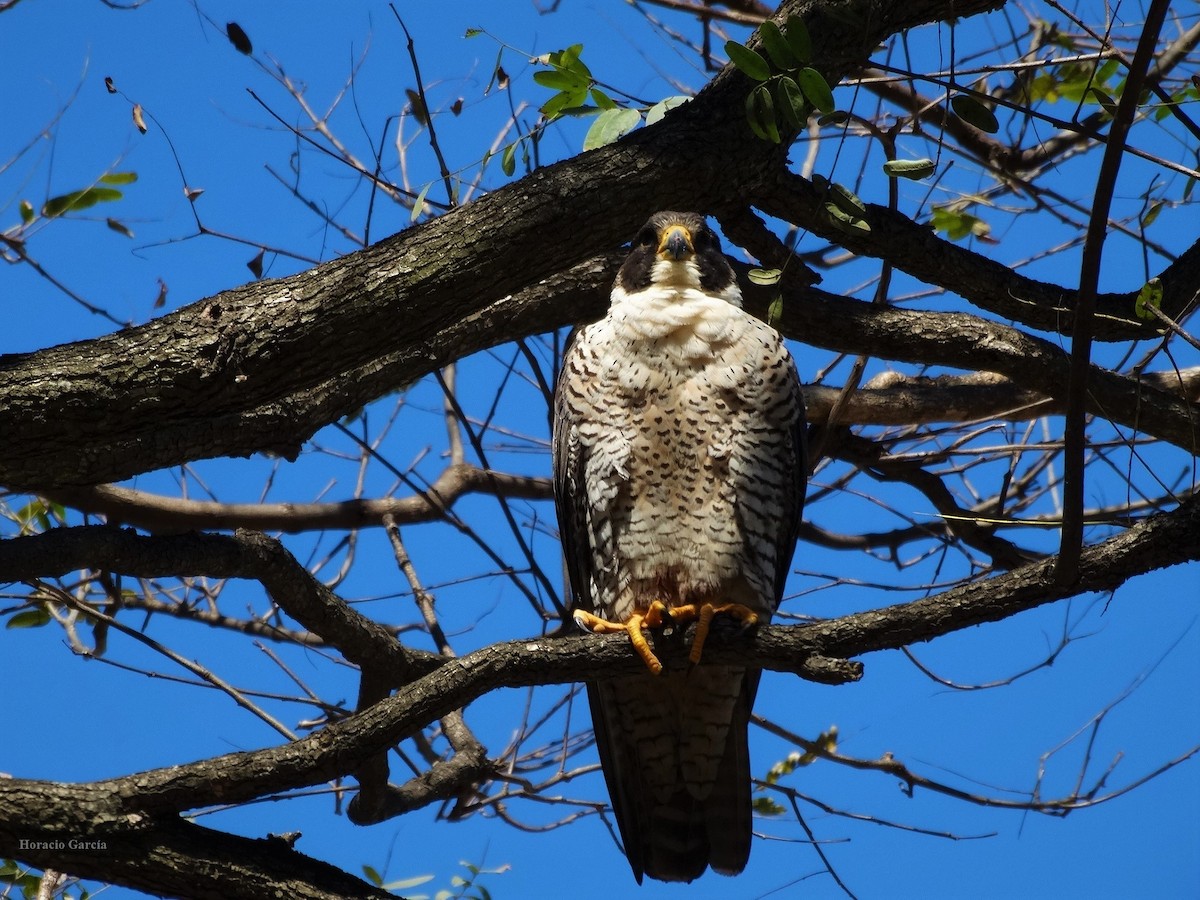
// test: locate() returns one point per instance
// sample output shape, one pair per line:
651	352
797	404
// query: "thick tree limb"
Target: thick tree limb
579	294
963	341
167	856
890	399
262	367
898	399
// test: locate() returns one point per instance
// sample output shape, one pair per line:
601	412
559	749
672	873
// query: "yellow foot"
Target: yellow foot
703	614
654	617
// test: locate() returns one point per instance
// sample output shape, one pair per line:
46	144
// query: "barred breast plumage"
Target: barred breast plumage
680	477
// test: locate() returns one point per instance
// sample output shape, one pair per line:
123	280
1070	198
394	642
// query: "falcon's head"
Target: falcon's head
677	249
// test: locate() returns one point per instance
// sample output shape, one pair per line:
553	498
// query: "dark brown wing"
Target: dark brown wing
570	501
797	486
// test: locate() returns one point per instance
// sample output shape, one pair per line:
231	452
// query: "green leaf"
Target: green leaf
119	178
846	200
796	33
602	100
764	276
813	84
1187	189
499	77
419	111
760	114
775	310
30	618
609	126
558	80
777	46
406	883
77	200
916	169
791	101
765	806
567	75
748	61
845	221
1150	296
1152	213
419	203
1109	104
472	32
659	109
956	224
568	61
508	159
554	107
843	208
372	876
35	512
27	213
974	113
837	117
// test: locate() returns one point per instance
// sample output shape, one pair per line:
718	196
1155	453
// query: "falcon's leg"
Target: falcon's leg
703	614
655	616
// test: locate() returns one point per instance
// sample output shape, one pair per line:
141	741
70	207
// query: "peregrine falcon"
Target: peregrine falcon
679	475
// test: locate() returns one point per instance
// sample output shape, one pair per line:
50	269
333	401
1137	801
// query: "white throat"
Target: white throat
675	310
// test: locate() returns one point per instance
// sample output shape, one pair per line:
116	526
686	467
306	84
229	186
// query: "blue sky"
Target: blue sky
108	721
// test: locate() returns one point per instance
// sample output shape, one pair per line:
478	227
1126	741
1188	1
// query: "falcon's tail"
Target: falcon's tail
677	764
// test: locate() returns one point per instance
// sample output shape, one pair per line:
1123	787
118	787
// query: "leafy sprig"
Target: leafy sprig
789	89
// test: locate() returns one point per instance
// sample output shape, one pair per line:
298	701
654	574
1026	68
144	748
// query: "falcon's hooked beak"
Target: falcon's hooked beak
676	243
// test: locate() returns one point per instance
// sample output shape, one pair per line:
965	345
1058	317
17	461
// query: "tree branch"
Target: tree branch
963	341
443	685
914	248
165	514
219	377
135	813
243	555
165	856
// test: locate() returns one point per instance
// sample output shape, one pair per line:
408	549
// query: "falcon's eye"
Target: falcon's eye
645	238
